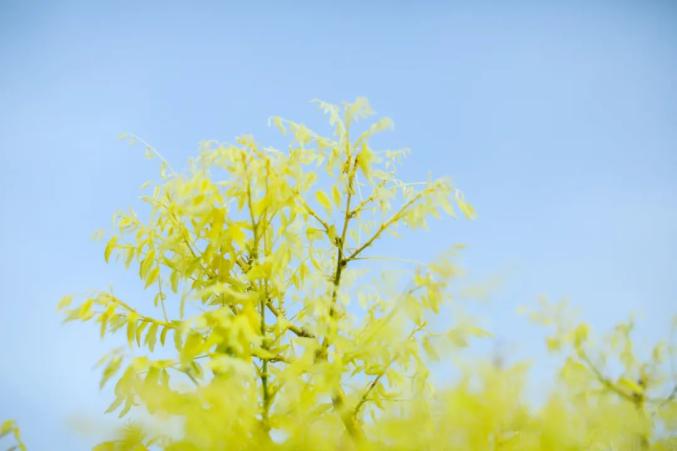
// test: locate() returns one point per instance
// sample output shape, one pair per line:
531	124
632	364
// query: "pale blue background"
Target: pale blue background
558	121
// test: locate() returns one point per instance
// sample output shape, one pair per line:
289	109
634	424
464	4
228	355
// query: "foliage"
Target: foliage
9	427
273	331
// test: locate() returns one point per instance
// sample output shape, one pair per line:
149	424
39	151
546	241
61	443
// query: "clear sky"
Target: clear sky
559	122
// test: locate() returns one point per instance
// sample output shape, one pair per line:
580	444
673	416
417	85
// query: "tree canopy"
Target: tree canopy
268	326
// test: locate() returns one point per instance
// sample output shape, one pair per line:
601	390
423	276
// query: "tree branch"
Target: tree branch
382	228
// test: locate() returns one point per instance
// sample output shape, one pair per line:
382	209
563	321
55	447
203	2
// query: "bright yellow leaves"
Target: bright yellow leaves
109	248
65	302
607	383
324	201
365	158
9	427
270	349
465	207
112	366
581	335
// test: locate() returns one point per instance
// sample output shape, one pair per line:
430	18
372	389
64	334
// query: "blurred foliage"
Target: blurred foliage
9	428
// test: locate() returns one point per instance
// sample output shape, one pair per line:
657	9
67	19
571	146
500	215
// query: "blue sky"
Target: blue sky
557	121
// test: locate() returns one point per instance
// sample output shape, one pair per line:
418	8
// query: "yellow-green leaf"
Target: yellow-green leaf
323	200
163	335
110	370
174	281
465	207
131	327
336	195
152	277
151	336
109	248
64	302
